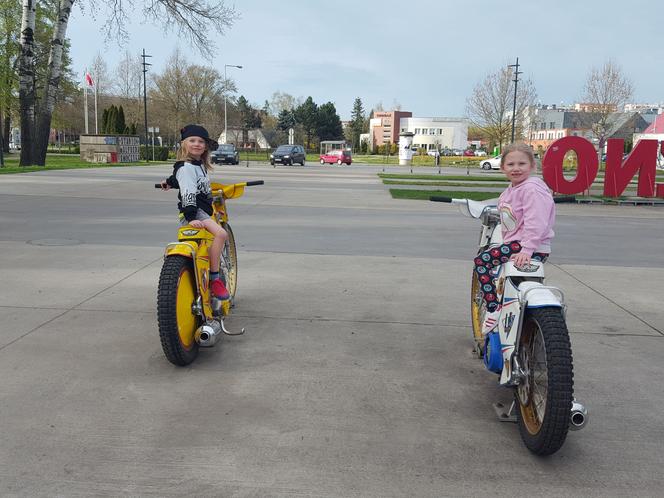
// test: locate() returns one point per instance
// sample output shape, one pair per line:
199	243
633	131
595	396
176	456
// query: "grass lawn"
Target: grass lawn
425	194
461	178
444	183
61	162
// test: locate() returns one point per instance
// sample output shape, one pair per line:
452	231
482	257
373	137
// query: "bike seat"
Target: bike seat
190	233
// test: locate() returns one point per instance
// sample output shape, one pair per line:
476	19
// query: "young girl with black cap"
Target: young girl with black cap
190	176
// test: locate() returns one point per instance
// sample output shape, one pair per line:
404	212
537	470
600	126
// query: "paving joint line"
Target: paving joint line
610	300
77	305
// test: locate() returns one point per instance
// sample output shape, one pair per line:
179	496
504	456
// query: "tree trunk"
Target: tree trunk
53	75
26	91
6	130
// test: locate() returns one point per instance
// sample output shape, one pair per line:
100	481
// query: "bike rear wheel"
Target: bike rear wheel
544	398
230	258
176	296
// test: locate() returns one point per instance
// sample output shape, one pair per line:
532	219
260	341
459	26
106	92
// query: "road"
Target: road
354	377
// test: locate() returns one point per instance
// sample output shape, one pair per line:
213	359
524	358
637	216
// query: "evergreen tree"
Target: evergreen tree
357	122
104	121
307	115
250	118
120	124
329	124
112	118
286	120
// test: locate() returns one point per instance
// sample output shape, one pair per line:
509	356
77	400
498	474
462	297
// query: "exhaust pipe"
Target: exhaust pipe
578	416
207	334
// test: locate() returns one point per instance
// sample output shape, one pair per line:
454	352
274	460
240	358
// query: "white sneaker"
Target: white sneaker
490	321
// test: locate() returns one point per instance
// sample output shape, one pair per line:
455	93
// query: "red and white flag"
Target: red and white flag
88	79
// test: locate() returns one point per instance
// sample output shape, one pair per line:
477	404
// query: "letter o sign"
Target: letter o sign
552	165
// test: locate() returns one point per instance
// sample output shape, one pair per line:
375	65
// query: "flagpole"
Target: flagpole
85	102
96	85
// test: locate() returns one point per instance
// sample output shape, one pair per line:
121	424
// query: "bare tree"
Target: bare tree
192	19
282	101
27	80
128	85
490	105
605	91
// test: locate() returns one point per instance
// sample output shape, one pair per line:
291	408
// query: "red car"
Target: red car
469	152
336	156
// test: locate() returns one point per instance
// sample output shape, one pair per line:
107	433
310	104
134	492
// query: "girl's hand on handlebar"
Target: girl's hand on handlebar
520	259
196	223
164	185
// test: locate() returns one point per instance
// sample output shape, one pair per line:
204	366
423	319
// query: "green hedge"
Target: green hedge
160	153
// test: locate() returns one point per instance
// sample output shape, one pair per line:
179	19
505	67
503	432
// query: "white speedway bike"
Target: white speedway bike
530	349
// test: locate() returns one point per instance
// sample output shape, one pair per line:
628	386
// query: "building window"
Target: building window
425	131
440	131
552	125
432	131
542	126
417	131
432	146
550	136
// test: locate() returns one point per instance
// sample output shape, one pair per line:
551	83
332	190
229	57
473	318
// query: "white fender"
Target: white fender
538	295
533	269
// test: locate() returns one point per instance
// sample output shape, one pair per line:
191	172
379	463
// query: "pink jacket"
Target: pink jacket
527	215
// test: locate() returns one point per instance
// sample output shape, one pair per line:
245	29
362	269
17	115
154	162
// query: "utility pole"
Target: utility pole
516	82
225	98
145	100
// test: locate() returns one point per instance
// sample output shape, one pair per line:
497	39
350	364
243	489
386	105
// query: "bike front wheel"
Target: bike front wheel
176	296
477	312
544	397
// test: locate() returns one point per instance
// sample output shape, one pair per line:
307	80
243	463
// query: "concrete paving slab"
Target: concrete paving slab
354	377
18	321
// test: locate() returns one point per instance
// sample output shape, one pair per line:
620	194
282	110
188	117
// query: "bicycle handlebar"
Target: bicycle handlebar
248	184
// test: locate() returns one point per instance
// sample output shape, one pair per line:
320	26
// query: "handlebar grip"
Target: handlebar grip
564	198
157	185
438	198
255	182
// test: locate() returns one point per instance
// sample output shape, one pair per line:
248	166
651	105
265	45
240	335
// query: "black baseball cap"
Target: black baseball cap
192	130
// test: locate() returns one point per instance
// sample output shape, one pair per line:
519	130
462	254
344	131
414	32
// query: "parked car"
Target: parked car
480	153
288	154
493	163
226	153
433	153
469	153
336	156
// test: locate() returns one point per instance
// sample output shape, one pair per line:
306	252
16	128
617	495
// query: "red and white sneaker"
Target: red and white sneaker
219	290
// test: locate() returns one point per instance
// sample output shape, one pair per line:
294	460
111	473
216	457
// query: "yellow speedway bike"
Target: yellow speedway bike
188	316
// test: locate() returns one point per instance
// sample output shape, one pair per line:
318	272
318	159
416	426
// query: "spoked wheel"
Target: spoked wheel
544	397
176	297
230	260
477	312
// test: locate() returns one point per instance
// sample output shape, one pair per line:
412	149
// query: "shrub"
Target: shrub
160	153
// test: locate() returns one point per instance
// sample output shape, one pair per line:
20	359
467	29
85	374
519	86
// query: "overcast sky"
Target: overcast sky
425	55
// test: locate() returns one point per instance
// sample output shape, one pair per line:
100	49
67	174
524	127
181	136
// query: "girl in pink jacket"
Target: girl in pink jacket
527	215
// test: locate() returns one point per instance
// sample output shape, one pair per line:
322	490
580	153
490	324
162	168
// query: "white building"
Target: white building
255	138
437	133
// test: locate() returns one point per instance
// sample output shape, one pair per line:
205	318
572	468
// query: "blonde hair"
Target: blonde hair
518	147
183	155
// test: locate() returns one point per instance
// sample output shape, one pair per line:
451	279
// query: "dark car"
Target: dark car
226	153
288	154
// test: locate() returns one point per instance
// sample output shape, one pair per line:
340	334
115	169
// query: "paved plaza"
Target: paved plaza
355	376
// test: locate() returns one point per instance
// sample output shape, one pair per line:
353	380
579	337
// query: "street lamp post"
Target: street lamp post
225	99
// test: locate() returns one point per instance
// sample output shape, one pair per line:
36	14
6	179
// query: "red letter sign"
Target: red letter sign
552	165
643	159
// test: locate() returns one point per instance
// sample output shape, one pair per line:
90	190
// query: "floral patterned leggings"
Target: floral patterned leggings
490	259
